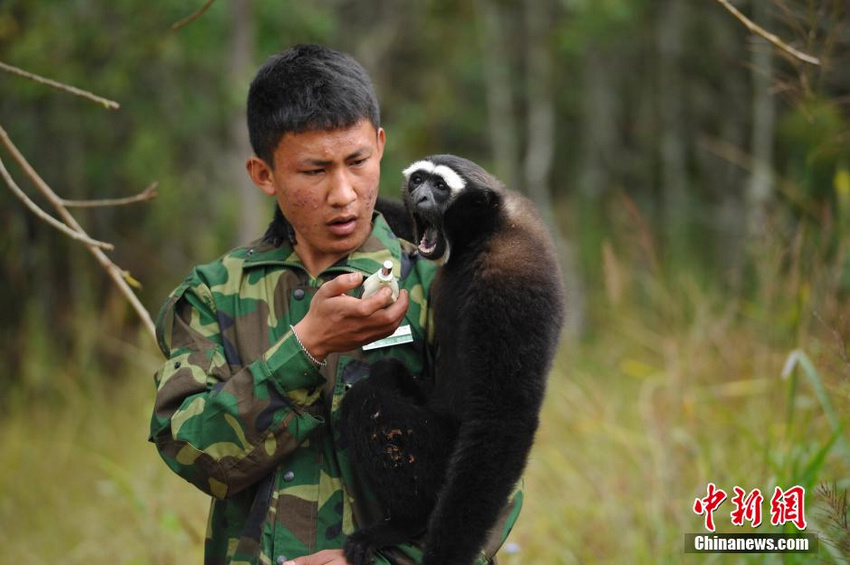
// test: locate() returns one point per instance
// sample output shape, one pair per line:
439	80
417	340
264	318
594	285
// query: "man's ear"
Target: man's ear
261	174
382	140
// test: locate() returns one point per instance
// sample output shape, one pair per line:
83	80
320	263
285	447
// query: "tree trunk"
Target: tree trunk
377	33
254	211
725	175
760	183
540	149
674	178
498	83
540	132
599	118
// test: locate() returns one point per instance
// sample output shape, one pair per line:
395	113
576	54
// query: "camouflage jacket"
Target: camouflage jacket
242	413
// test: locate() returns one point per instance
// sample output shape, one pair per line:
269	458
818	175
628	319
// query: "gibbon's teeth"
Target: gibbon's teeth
429	241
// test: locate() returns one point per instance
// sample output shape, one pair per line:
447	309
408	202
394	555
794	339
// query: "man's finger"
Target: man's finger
341	284
387	319
397	310
324	557
378	301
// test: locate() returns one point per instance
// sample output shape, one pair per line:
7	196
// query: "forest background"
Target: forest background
697	177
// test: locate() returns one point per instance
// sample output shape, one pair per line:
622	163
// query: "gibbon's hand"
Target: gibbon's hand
324	557
339	322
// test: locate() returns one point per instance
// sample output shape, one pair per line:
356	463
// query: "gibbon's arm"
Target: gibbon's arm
397	217
477	493
507	355
219	430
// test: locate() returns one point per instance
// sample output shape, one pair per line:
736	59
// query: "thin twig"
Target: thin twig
645	235
839	340
33	207
755	28
189	19
108	104
118	276
147	194
739	157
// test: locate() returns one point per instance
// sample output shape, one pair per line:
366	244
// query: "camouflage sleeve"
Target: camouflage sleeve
219	429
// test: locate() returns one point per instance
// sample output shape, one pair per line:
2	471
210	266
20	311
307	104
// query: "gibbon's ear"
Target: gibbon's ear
261	174
484	197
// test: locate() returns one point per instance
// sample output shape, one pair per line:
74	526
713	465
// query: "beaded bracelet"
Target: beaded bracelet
304	349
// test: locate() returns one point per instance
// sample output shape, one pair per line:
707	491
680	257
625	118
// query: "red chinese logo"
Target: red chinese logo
788	506
709	504
747	508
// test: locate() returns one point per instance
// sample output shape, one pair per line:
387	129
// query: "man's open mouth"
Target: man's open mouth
343	226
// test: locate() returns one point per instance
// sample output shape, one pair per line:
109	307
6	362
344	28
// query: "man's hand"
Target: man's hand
338	322
324	557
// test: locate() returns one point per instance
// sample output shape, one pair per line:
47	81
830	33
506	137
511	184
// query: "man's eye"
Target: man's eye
359	162
313	172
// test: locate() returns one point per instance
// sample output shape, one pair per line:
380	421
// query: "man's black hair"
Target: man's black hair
307	87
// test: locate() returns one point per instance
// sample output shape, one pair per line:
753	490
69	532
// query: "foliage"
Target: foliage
692	316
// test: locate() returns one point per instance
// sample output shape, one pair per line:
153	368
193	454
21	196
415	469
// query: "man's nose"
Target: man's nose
342	191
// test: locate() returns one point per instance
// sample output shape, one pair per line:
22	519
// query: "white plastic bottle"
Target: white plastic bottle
379	279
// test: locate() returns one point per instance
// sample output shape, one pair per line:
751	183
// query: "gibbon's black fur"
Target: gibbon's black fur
443	458
397	217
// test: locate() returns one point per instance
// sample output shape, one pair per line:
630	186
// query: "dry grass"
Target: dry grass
639	420
669	394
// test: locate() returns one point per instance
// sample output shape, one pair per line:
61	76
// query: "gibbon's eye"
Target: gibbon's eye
441	185
416	180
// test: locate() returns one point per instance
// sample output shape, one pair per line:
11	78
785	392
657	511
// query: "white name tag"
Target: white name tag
401	335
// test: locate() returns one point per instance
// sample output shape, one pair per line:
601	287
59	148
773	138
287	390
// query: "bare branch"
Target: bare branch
767	35
108	104
147	194
118	276
16	190
189	19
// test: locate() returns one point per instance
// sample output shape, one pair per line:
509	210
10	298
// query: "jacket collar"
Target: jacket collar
382	244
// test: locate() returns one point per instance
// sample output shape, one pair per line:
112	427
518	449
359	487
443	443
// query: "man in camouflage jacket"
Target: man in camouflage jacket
262	344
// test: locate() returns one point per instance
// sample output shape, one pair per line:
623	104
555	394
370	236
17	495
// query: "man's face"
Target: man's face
326	183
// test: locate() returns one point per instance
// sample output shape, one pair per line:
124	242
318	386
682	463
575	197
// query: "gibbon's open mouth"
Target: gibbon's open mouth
431	242
428	243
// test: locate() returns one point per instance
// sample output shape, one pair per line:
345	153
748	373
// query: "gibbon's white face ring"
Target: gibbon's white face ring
453	180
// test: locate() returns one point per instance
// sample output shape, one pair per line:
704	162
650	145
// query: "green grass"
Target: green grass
667	395
640	419
81	484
